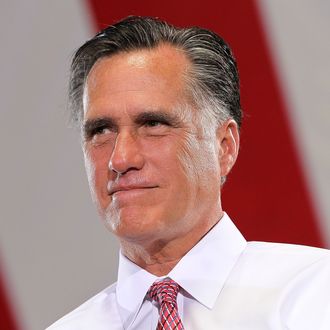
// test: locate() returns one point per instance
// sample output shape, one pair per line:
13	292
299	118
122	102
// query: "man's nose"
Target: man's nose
126	154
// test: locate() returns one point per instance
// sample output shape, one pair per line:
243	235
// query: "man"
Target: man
159	109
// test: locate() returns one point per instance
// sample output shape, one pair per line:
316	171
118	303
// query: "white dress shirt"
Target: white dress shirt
226	283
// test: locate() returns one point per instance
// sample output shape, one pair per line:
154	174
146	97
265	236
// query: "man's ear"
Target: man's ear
228	139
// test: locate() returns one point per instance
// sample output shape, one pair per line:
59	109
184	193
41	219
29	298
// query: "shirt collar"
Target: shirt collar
132	286
202	272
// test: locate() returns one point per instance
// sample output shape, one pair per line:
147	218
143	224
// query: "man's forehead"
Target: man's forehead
124	75
164	60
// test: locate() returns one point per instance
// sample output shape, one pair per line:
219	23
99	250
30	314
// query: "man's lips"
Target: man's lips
122	188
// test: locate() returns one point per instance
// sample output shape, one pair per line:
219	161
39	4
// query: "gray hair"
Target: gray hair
213	81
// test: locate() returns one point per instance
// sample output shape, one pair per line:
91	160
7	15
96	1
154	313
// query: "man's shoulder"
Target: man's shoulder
291	249
84	316
289	284
283	262
300	254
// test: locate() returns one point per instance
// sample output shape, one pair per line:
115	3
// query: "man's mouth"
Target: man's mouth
115	189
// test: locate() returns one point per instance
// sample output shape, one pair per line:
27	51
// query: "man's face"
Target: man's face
153	171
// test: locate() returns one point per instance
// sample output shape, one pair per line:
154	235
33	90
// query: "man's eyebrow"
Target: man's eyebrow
90	125
93	124
159	115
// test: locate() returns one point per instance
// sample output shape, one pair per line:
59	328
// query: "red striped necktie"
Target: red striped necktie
164	293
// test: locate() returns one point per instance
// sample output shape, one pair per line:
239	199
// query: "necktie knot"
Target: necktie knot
164	291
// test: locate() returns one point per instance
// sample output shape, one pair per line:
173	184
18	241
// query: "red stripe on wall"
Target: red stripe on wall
7	321
266	194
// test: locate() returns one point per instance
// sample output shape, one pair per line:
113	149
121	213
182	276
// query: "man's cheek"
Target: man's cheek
90	169
94	177
188	158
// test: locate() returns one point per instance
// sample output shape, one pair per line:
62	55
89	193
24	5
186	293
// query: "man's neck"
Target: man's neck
160	256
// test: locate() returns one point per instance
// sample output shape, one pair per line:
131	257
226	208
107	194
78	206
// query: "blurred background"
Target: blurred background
54	251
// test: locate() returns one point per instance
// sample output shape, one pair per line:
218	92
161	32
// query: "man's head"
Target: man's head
160	113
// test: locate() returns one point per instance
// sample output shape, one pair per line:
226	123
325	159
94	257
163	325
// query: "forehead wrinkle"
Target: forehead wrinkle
151	60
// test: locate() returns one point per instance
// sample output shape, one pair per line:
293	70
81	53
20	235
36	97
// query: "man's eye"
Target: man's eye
97	133
154	123
100	131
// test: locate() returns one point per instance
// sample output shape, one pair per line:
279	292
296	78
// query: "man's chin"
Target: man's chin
118	219
132	228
